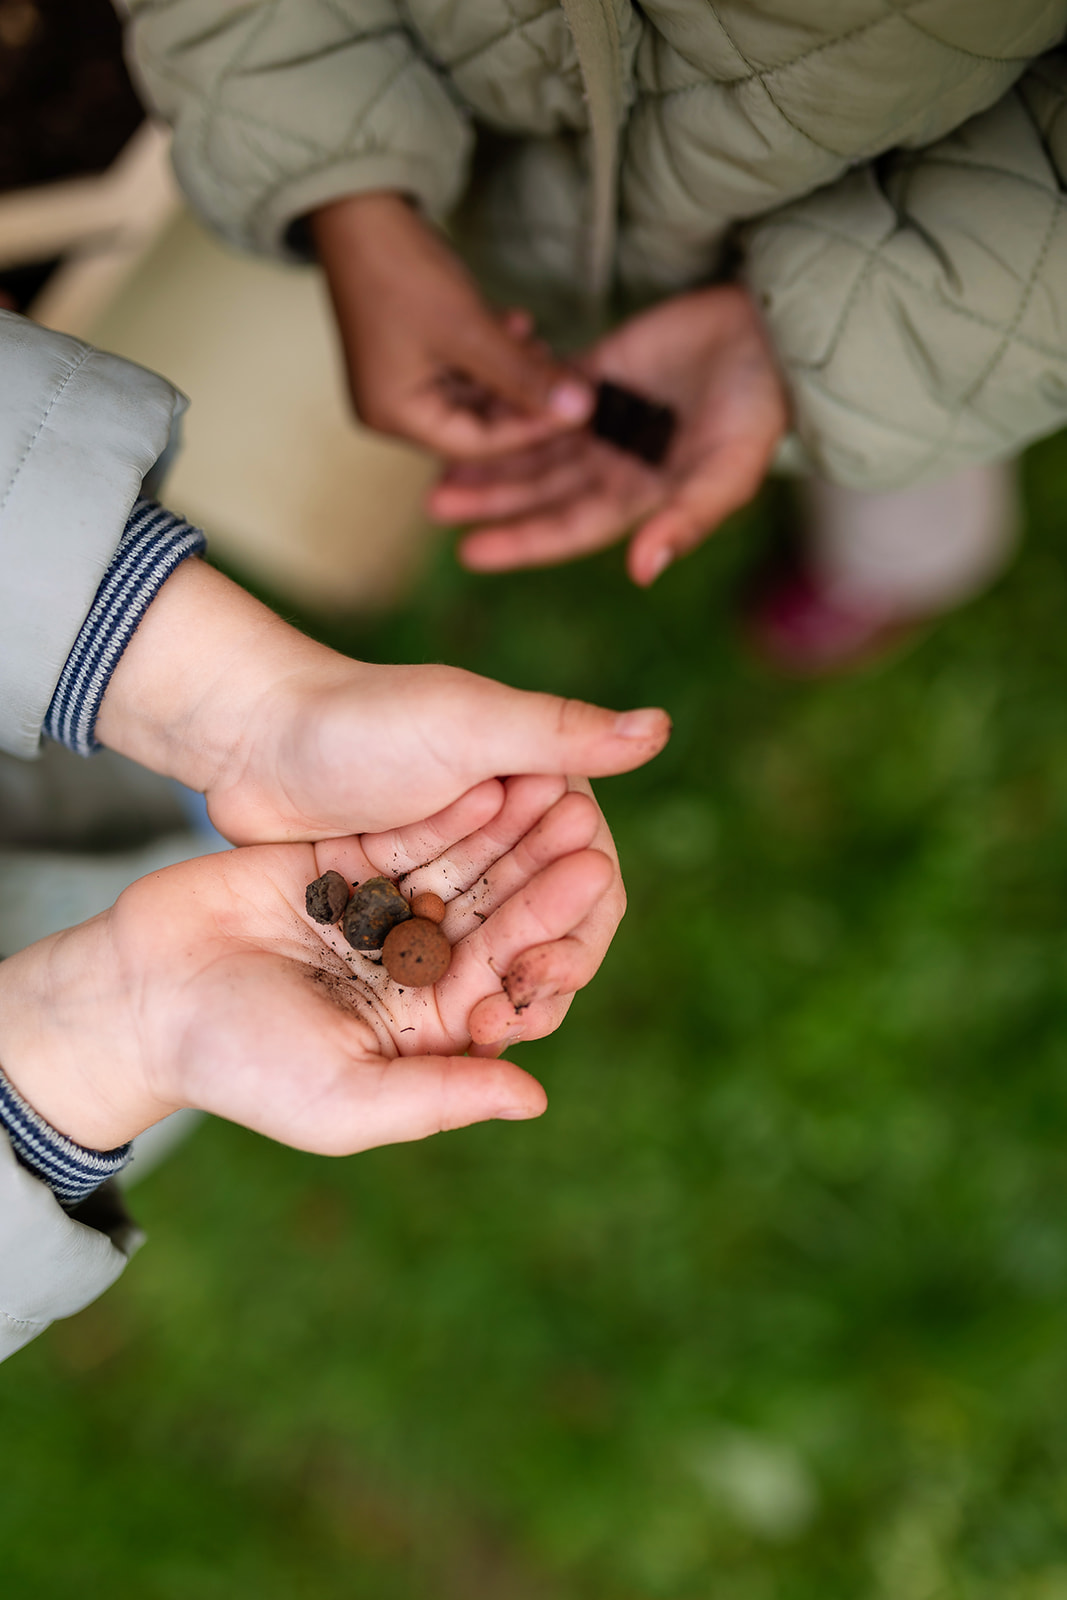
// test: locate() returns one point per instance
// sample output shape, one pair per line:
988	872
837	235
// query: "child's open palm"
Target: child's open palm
208	985
703	353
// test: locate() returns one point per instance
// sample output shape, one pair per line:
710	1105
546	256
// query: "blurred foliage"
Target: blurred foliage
770	1306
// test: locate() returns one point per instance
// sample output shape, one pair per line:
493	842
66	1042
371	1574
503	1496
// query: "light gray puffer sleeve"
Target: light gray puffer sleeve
50	1264
919	305
279	106
80	431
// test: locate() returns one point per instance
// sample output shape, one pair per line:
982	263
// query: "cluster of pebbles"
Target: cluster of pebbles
375	916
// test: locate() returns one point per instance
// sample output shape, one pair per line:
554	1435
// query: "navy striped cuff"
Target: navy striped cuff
154	543
70	1171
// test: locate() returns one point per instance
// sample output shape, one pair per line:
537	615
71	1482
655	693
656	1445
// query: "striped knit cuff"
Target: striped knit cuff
154	543
70	1171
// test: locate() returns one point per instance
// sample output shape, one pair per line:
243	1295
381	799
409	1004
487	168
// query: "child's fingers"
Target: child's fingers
560	533
518	322
561	484
397	850
549	920
496	1024
457	432
500	390
549	907
520	465
559	969
572	824
539	987
523	373
528	803
727	481
541	981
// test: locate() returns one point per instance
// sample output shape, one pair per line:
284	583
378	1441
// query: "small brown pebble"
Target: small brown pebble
375	907
416	953
327	897
428	905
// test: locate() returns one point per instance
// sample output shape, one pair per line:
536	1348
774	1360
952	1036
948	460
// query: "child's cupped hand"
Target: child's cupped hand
705	354
290	741
427	359
207	984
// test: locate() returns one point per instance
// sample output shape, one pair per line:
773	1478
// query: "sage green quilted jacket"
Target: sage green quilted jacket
887	175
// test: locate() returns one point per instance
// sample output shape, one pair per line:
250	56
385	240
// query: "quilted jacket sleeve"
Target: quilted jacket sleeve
919	305
353	107
80	433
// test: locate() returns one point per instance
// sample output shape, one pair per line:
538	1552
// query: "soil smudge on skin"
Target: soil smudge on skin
519	984
336	986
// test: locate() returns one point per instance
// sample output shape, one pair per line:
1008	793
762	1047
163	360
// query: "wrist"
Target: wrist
154	544
348	220
72	1171
179	699
382	262
61	1040
213	690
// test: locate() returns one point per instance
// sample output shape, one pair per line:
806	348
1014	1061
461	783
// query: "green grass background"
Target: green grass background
772	1305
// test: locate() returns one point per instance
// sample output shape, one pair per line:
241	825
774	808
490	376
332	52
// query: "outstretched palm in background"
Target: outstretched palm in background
706	355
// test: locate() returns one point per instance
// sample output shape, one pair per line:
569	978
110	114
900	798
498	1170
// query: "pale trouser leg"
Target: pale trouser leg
914	551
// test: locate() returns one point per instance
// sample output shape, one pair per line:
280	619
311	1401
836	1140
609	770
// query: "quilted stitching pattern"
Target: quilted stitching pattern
264	126
740	109
513	62
972	333
746	112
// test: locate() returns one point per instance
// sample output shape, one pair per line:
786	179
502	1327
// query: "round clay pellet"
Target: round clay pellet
375	907
428	905
327	897
416	953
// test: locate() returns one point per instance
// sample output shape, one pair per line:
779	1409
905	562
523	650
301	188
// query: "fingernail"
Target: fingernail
523	996
515	1114
660	563
645	724
569	401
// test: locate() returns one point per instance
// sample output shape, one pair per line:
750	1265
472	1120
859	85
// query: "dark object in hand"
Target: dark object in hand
327	897
375	908
632	423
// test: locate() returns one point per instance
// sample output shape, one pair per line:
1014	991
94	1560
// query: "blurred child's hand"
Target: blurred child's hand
289	740
703	353
207	985
427	359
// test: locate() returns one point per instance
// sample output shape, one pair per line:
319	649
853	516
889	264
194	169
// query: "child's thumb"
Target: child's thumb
417	1096
544	733
525	374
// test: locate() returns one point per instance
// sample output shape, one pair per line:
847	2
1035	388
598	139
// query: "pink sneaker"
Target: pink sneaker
869	571
801	631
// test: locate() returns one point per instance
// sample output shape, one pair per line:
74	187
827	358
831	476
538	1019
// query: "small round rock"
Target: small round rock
416	953
327	897
428	905
375	907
